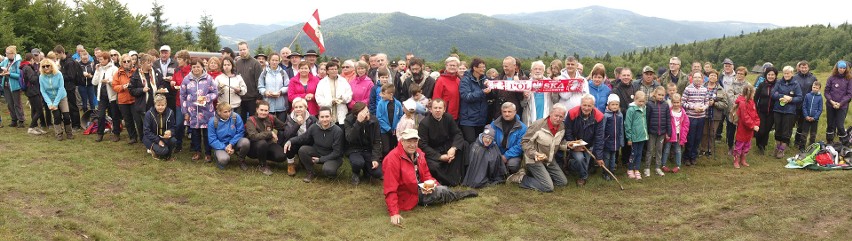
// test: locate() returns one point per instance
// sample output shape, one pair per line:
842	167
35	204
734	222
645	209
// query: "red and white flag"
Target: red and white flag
312	29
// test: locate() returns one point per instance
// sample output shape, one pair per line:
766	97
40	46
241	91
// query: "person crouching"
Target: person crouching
157	130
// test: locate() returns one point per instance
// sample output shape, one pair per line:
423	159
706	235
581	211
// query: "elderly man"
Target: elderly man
166	67
311	57
285	58
508	132
673	75
498	97
541	142
728	75
321	144
584	124
404	170
442	140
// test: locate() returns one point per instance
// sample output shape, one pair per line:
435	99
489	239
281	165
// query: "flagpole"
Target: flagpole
294	39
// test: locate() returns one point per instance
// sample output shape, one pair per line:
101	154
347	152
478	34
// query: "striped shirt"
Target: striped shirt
693	99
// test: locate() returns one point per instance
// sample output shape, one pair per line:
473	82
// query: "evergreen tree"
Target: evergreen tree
159	27
208	40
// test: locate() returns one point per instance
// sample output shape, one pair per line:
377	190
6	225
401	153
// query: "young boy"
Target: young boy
388	113
375	95
158	128
613	132
811	109
419	99
658	129
671	88
635	129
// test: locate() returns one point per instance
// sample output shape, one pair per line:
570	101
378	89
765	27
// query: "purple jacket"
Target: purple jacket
191	88
838	89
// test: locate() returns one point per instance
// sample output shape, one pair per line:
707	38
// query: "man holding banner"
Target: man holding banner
572	96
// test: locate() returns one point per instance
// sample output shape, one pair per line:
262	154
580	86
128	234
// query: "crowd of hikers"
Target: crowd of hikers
420	131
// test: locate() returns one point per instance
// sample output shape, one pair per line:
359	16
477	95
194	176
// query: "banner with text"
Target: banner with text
565	85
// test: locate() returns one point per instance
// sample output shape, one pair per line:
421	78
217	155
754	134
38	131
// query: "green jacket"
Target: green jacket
635	124
682	80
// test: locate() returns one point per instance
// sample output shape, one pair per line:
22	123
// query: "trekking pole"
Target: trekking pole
606	169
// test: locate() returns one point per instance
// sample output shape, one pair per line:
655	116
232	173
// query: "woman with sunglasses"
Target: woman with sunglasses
121	85
52	87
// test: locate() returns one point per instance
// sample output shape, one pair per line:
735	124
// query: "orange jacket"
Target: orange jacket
121	78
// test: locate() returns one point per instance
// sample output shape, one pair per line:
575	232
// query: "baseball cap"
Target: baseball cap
727	61
165	48
409	134
647	69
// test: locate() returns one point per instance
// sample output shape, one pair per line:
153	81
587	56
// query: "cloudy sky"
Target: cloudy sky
187	12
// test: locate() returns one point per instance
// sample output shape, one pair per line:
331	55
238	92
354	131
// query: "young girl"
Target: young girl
420	100
409	119
613	132
658	130
635	129
680	129
748	122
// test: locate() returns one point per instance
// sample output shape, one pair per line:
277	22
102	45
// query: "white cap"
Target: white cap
131	53
409	104
165	48
409	134
612	97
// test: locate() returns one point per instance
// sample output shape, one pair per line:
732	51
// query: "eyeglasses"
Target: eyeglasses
127	61
113	55
346	67
45	66
674	64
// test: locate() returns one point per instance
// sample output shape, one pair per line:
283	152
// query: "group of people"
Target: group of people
421	131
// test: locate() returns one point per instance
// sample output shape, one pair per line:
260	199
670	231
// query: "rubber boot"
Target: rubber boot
60	133
736	161
743	160
68	133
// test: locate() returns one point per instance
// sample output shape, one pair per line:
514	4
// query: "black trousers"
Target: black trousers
73	109
767	120
471	132
329	167
248	107
108	107
36	110
264	150
362	163
784	126
131	119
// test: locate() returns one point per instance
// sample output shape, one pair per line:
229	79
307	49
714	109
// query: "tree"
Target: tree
262	49
208	40
159	27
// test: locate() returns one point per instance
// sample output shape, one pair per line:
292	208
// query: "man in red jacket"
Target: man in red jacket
404	169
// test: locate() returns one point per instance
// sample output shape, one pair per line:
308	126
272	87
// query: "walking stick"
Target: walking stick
606	169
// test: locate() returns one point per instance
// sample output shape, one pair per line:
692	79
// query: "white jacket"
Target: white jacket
571	99
326	94
105	73
226	91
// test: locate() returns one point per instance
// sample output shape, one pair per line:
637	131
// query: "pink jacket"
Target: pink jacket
684	128
361	86
296	89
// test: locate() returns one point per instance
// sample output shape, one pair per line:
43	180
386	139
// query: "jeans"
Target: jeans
636	155
180	129
241	149
199	136
13	102
543	177
609	161
676	147
36	110
654	150
166	151
513	164
362	163
329	167
580	163
693	138
87	97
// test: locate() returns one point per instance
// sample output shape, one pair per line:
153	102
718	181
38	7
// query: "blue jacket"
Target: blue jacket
52	88
14	73
589	130
657	113
473	108
515	135
613	126
385	123
155	125
229	131
600	93
787	87
375	96
274	81
812	106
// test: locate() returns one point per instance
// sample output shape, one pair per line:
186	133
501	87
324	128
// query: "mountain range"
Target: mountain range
586	31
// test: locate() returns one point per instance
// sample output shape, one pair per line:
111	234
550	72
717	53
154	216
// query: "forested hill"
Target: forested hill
821	45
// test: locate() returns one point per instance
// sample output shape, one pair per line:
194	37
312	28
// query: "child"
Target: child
694	102
613	132
811	109
388	113
679	129
375	95
408	120
158	128
658	113
635	129
419	99
748	122
671	88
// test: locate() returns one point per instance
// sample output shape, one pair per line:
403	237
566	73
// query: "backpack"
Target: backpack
23	79
233	119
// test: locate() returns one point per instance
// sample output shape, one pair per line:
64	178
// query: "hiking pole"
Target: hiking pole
606	169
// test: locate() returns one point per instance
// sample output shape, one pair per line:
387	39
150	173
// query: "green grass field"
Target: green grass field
79	189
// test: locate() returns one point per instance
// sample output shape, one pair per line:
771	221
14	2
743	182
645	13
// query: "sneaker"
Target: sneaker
666	169
291	169
660	172
265	170
517	177
40	131
675	170
647	172
637	175
32	131
630	174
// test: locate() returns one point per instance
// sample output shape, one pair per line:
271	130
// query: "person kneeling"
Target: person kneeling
226	136
320	144
262	131
486	163
405	170
158	127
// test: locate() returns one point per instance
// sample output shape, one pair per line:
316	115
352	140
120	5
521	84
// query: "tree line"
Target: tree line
107	24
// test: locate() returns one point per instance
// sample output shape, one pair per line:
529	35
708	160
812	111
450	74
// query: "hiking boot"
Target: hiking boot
243	165
100	138
207	159
517	177
581	182
779	153
115	138
291	169
59	132
355	179
132	141
265	170
196	156
21	124
68	133
13	124
761	150
660	172
309	178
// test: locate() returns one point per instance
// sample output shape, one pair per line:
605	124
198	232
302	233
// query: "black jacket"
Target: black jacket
31	75
155	125
437	137
427	86
328	142
291	128
763	98
137	90
658	114
71	72
363	136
